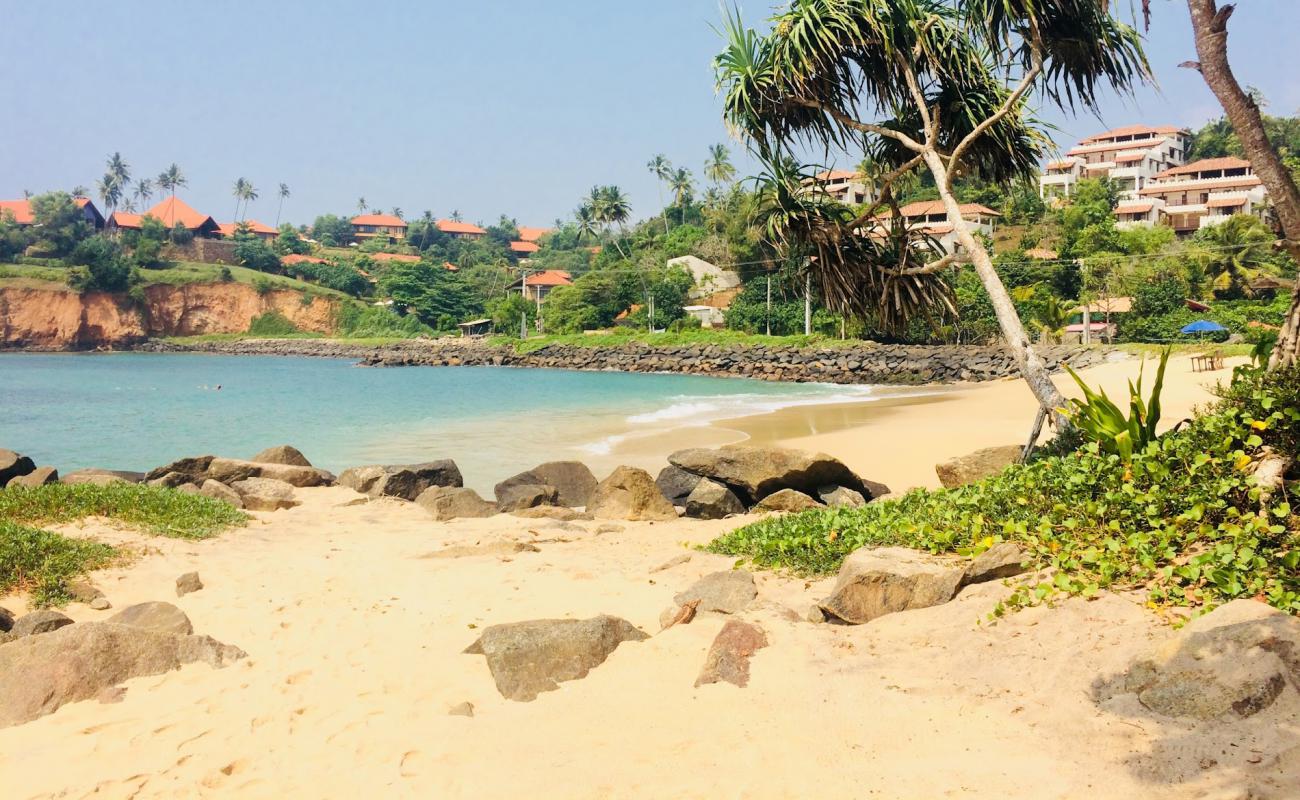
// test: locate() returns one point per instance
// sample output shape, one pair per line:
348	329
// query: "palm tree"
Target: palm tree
456	216
170	179
427	228
143	191
240	188
683	187
1233	253
119	169
662	169
361	205
79	190
110	191
397	212
718	167
284	192
938	77
585	217
250	194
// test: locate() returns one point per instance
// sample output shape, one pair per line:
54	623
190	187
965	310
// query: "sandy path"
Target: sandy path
354	644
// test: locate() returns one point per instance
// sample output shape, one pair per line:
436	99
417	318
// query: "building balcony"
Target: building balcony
1190	208
1141	223
1058	179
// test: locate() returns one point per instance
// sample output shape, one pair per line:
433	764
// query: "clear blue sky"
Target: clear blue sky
489	107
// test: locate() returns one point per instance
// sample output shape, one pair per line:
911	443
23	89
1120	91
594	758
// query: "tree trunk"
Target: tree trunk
1032	368
1210	25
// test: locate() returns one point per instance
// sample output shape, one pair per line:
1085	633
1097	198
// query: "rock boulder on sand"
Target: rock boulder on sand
83	591
874	581
282	454
528	658
840	496
1234	662
6	620
726	592
13	465
677	484
102	477
190	470
187	583
631	494
977	465
573	481
36	622
787	500
361	479
454	502
712	500
403	481
756	472
728	657
154	615
231	470
219	491
41	476
265	494
77	662
517	496
1002	560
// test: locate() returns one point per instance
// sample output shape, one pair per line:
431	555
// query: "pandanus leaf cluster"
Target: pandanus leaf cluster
1102	421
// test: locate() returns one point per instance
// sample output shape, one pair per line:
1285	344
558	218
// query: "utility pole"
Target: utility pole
769	304
807	303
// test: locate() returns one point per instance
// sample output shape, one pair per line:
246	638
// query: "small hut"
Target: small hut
476	327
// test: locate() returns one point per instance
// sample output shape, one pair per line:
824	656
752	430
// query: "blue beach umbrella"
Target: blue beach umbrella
1203	326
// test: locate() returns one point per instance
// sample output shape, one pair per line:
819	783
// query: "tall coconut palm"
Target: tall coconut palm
585	219
456	216
143	191
683	186
170	180
239	189
947	84
718	168
79	190
250	194
283	193
361	205
397	212
120	170
110	191
662	169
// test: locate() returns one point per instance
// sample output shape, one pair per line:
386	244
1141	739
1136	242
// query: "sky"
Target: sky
489	107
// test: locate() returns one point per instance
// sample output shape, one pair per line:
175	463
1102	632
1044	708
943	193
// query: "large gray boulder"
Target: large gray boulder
282	454
41	476
403	481
13	465
528	658
41	621
874	581
756	472
219	491
192	470
726	592
154	615
977	466
454	502
232	470
631	494
1234	662
728	656
102	477
573	481
77	662
787	500
518	496
677	484
265	494
840	497
1002	560
712	500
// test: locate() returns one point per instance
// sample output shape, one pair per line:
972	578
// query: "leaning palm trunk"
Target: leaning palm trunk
1210	25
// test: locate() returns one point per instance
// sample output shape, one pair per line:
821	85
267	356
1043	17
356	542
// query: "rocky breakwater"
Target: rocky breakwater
865	363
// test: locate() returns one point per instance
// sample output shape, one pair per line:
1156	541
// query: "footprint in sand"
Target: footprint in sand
413	764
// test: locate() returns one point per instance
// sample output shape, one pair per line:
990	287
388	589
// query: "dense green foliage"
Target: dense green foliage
355	321
42	562
1181	519
341	277
271	324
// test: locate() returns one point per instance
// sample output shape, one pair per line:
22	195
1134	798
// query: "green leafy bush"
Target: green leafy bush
1104	423
42	562
272	323
1181	520
340	277
355	321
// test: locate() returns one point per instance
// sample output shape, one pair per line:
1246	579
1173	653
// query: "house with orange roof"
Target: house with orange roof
1198	195
848	187
262	231
21	210
369	226
533	234
524	249
170	212
538	285
929	217
395	258
460	230
1130	157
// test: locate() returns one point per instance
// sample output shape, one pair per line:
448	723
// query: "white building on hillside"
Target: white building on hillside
850	188
929	217
709	279
1197	195
1130	157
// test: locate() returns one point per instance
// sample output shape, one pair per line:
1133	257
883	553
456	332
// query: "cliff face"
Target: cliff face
47	319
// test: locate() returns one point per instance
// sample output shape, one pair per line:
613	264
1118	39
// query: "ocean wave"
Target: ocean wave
705	409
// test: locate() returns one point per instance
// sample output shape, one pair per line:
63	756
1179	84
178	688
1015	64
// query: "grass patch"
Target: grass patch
272	324
178	273
42	562
1182	519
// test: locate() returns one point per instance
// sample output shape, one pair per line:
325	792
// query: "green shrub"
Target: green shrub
340	277
106	268
256	254
355	321
1180	520
1104	423
272	323
42	562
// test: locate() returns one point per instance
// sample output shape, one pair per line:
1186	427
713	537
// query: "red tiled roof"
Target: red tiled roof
928	207
836	175
1066	164
295	258
1130	158
938	228
1135	130
524	247
398	257
386	220
229	228
450	226
1206	183
1226	202
174	210
1204	165
551	277
21	210
532	234
1135	208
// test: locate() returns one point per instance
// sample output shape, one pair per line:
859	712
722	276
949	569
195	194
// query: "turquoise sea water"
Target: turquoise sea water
137	411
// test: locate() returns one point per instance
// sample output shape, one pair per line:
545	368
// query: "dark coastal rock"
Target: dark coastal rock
36	622
102	477
265	494
518	496
454	502
573	481
726	592
78	662
677	484
190	470
41	476
13	465
83	591
977	466
729	655
282	454
528	658
712	500
630	494
403	481
172	480
756	472
874	581
154	615
187	583
6	620
787	500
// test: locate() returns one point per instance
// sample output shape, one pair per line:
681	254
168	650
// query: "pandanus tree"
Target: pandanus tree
929	84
